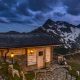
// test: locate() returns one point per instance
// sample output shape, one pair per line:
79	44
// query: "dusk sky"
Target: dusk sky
25	15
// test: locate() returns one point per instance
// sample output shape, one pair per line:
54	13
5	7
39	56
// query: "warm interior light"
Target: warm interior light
31	51
12	55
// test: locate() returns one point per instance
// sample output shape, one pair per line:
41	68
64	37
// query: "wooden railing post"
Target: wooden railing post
26	56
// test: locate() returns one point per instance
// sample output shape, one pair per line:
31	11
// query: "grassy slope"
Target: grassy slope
74	61
7	76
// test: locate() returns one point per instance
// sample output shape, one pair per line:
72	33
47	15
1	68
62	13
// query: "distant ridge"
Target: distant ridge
13	32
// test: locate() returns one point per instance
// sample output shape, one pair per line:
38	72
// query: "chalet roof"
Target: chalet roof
29	40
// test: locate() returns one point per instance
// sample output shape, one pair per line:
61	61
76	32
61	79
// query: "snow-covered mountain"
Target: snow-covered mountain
65	32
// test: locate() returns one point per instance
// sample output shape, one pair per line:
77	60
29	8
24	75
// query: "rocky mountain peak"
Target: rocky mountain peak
65	32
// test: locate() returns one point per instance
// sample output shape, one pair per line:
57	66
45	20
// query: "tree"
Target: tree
4	54
61	50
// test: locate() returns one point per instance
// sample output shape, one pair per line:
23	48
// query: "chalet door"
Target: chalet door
40	59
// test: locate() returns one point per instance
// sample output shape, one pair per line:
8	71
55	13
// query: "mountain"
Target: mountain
65	32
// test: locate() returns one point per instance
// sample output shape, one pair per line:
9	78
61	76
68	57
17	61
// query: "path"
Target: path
55	72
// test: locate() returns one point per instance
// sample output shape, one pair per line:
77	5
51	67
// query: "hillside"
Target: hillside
74	61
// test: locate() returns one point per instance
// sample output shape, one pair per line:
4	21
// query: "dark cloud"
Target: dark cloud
42	5
36	12
59	14
73	6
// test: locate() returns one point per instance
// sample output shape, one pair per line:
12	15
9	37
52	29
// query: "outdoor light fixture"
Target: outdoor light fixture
12	56
31	52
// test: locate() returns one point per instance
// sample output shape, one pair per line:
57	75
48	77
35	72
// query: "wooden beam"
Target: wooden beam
52	48
26	56
5	54
2	54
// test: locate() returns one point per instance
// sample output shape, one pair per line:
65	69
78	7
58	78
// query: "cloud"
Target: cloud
72	19
58	12
4	20
73	6
36	12
42	5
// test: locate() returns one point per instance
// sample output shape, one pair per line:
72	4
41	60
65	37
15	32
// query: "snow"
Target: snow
75	31
50	26
62	26
71	36
50	30
67	37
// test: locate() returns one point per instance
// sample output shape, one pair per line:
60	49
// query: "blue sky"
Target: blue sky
26	15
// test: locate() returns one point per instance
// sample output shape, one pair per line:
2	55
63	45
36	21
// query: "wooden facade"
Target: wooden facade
39	56
34	51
